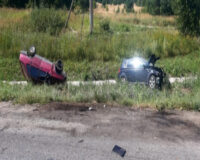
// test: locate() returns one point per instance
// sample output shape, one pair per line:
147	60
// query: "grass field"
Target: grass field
126	37
116	36
181	96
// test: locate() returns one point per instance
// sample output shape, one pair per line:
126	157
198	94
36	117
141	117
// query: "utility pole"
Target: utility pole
91	16
70	10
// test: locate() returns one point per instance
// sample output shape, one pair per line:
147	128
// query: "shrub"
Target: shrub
105	25
46	20
118	10
189	17
123	10
124	28
136	21
107	9
104	3
170	45
129	6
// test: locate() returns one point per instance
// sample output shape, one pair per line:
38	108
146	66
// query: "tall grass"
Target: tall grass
102	47
9	16
104	50
181	96
182	65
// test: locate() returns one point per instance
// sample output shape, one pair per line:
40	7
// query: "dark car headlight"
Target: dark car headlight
157	80
159	74
164	74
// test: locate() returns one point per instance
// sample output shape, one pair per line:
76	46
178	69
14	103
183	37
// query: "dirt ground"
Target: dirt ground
127	122
140	127
103	120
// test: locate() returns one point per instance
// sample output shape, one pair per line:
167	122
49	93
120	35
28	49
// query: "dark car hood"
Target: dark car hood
153	59
157	70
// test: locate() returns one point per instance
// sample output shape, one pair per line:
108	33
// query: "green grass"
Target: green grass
182	65
12	13
180	96
10	69
105	52
98	57
99	54
155	21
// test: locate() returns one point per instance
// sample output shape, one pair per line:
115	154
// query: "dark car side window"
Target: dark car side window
127	64
124	64
136	63
130	65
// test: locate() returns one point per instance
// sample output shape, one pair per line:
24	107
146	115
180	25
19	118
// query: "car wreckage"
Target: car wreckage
39	69
138	69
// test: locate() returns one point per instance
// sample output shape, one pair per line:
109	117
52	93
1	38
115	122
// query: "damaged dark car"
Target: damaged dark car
140	70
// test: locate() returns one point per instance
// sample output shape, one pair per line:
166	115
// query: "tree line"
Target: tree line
55	3
115	2
36	3
159	7
128	3
187	11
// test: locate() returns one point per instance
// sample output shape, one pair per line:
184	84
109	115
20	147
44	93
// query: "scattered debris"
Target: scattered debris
4	128
119	150
91	109
83	109
36	109
81	141
3	150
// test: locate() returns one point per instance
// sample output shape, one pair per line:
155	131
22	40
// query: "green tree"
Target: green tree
159	7
174	6
129	5
118	10
189	17
165	7
35	3
104	3
14	3
83	4
153	7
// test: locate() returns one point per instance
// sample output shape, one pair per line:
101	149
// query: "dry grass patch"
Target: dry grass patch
111	9
137	9
132	18
10	16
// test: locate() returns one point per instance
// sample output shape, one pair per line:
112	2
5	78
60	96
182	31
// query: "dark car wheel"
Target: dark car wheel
152	82
32	51
48	80
59	66
123	78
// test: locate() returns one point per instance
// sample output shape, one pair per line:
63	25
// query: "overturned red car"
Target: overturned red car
39	69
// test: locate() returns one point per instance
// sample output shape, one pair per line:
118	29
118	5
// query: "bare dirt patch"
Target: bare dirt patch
124	122
100	120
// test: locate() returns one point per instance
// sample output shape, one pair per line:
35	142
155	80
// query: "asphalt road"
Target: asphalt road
60	131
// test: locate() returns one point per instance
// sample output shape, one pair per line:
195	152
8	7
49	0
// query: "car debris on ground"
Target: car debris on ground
117	149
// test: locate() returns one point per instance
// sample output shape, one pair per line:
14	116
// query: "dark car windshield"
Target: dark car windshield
136	62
